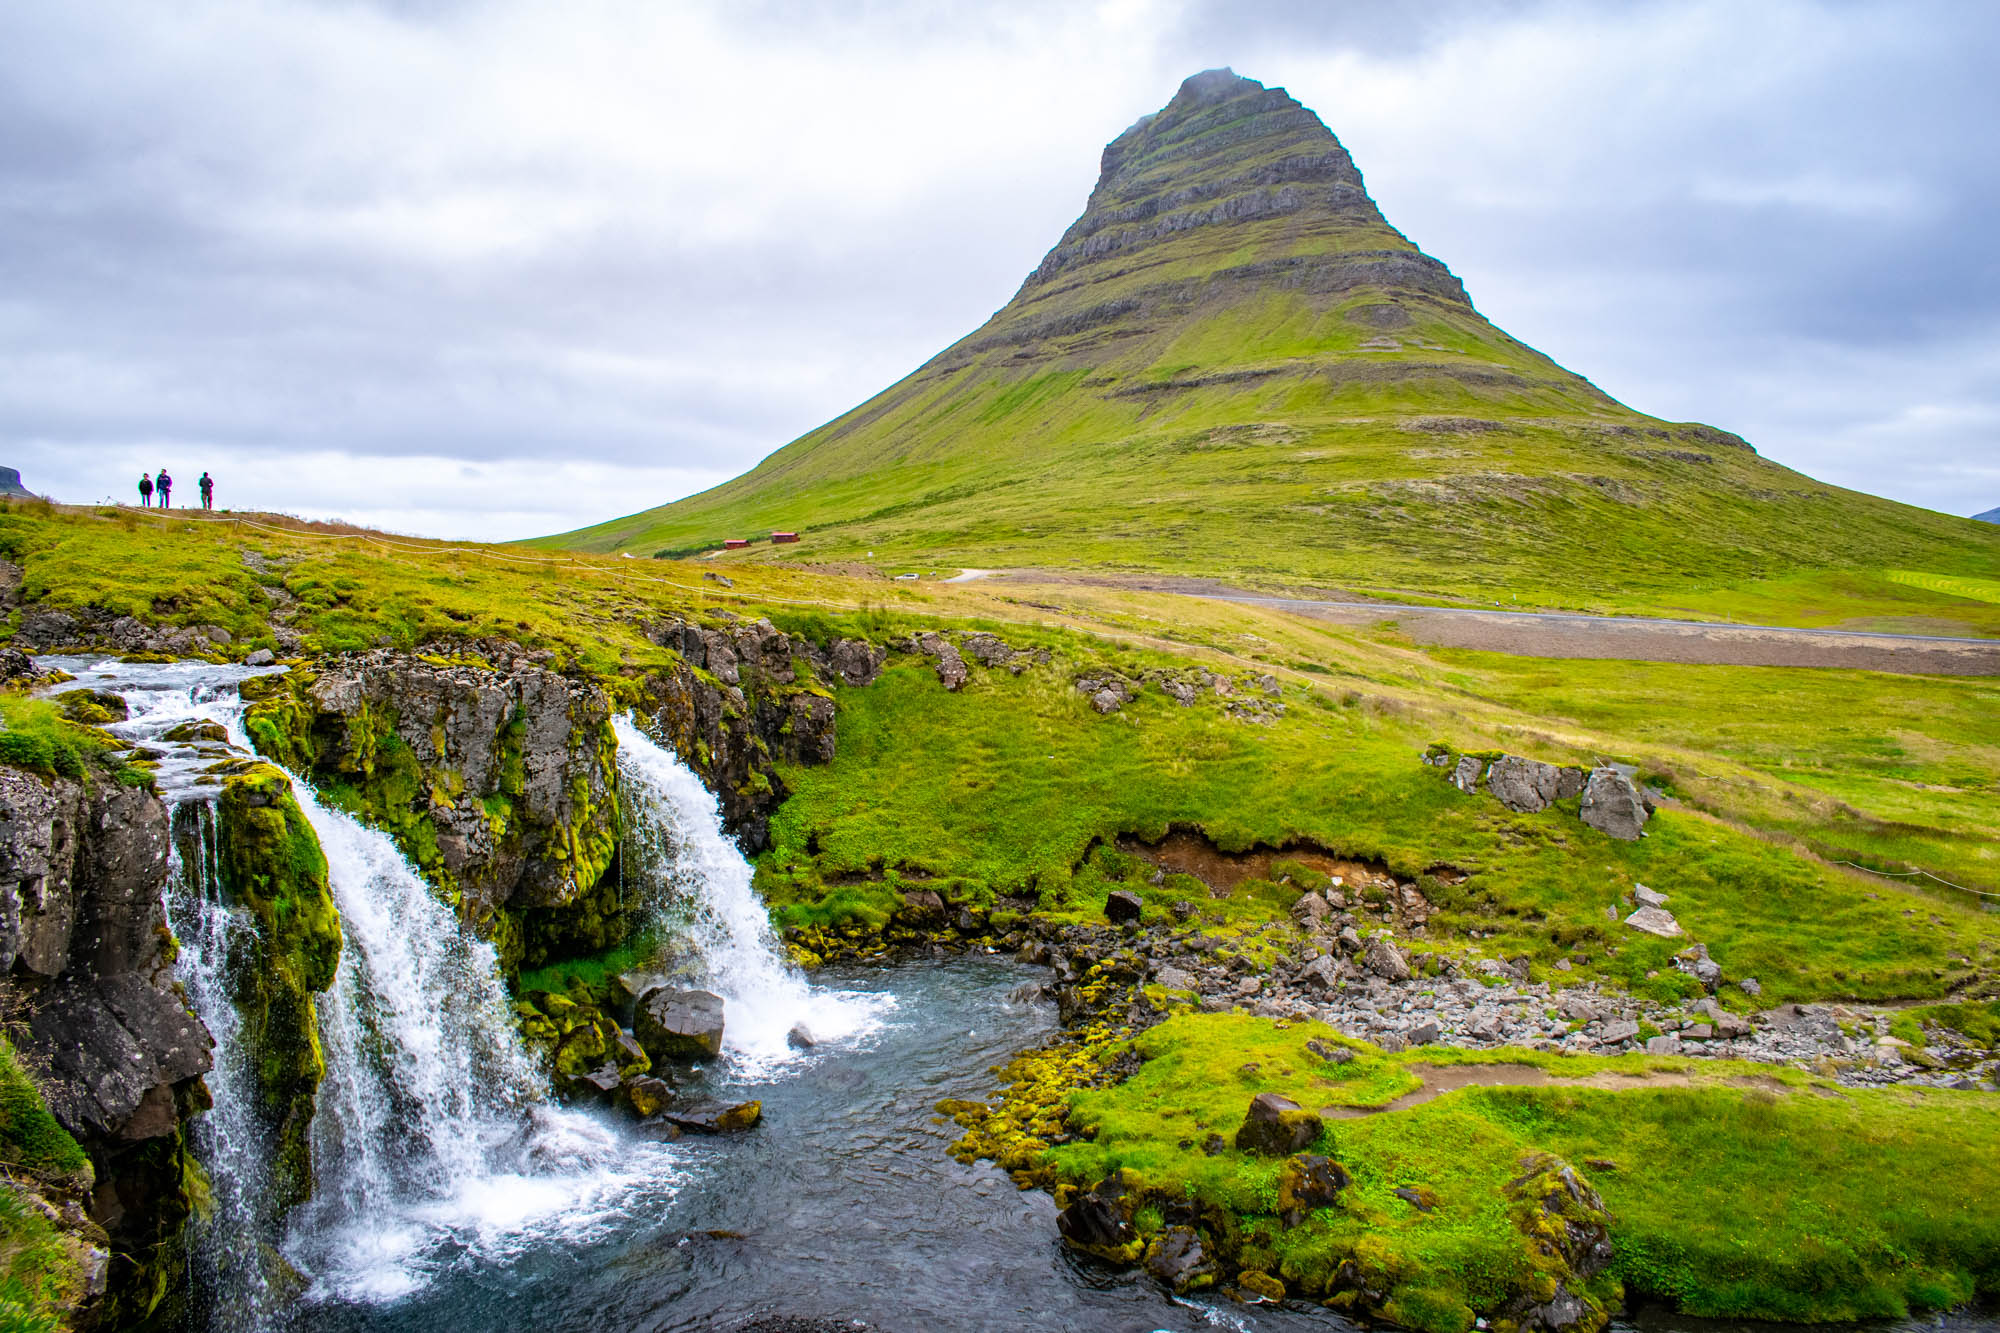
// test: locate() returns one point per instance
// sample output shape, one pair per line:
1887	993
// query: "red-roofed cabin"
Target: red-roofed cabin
778	538
735	543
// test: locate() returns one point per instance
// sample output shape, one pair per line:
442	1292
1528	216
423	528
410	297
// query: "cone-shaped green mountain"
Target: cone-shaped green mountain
1232	365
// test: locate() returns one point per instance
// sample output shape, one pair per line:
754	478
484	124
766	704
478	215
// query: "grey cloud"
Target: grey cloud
173	271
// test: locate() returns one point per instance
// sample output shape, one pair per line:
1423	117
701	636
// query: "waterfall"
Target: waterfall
702	884
229	1240
434	1140
227	1243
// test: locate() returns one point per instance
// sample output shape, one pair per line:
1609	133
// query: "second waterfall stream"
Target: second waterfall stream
680	852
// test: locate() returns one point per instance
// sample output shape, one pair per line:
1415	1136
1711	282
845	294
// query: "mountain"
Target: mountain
1990	516
1232	365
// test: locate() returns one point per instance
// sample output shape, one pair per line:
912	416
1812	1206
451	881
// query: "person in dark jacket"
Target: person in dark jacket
145	490
164	484
207	491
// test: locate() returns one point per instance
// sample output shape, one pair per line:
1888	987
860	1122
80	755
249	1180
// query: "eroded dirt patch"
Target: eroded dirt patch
1185	852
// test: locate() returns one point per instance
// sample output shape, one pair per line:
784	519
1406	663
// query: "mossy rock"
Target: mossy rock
271	864
93	708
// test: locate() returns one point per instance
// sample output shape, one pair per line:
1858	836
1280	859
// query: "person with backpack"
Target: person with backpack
207	491
145	490
165	486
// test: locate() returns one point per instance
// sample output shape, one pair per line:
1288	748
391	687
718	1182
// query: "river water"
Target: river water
454	1195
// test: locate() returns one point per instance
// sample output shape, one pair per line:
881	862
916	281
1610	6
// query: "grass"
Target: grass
1744	1194
1016	780
1978	590
38	1270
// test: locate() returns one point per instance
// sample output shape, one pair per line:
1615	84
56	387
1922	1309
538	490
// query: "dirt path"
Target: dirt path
1548	634
1568	634
1440	1079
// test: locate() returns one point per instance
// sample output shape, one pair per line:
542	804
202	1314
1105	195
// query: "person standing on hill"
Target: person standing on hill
207	491
145	490
165	486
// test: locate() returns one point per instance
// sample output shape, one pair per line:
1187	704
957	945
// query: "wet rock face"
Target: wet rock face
742	701
499	782
679	1025
83	948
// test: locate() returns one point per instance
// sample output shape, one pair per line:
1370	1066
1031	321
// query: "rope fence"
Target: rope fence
1913	874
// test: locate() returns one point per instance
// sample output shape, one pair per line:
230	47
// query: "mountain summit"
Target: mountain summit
1232	365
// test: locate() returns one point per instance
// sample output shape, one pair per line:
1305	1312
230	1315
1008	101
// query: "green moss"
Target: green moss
271	863
1732	1191
31	1142
40	1275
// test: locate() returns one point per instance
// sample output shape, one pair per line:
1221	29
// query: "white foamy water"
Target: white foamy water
435	1140
679	851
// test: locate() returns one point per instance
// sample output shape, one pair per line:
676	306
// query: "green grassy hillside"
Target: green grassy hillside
1232	365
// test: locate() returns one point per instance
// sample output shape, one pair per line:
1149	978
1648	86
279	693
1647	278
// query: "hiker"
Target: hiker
145	490
164	486
207	491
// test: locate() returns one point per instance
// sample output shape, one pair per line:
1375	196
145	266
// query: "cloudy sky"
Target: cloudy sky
501	269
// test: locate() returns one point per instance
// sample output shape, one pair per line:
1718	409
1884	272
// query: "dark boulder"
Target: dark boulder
714	1118
1122	906
1178	1259
1277	1127
647	1096
1099	1221
679	1024
1309	1181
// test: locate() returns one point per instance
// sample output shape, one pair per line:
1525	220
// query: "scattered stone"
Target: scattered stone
1418	1197
1523	785
1277	1127
1617	1032
1174	978
951	668
1579	1008
1465	776
679	1024
1332	1054
1665	1044
647	1096
260	657
1308	1182
187	733
1256	1288
1123	905
1423	1034
1098	1221
1750	987
1385	960
1613	805
987	649
1654	921
1695	962
714	1118
1177	1258
801	1038
1322	972
1646	897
